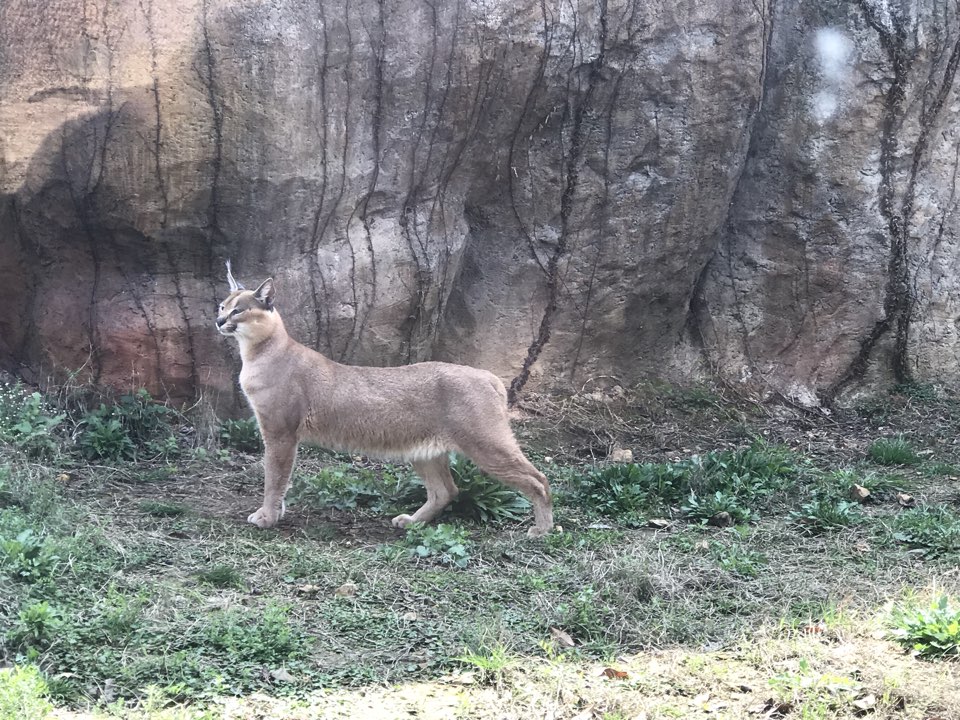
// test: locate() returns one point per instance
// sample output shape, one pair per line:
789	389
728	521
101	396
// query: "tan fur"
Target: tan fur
417	413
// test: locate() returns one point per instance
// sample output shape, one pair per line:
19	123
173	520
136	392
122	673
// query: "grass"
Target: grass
161	508
23	693
734	483
134	588
222	576
893	451
826	514
935	531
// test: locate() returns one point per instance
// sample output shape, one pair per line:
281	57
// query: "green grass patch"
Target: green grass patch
737	558
826	514
222	576
489	663
23	693
935	530
893	451
736	482
162	612
161	508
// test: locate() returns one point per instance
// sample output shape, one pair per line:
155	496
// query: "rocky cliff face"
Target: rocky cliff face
762	191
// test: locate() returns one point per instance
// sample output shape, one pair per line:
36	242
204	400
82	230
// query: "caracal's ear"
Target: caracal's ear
234	285
265	293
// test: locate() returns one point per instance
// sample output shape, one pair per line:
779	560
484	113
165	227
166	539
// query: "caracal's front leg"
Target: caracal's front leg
278	461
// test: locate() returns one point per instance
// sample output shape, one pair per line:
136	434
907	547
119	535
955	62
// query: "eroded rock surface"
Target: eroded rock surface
764	191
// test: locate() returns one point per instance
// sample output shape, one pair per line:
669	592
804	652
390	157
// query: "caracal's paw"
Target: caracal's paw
536	531
401	521
263	518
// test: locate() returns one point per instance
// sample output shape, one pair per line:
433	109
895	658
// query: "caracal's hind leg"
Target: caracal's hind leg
440	490
506	462
278	459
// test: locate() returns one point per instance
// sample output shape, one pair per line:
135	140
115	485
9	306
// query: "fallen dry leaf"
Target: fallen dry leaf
906	500
562	638
308	589
659	523
858	493
614	674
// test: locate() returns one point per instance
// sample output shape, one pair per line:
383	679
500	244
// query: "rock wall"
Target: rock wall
558	192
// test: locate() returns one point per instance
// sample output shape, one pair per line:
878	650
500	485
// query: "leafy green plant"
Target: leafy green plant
827	514
135	426
737	559
105	438
734	481
819	695
28	557
893	451
631	492
448	544
936	530
706	507
23	693
481	497
584	616
347	487
118	614
755	471
930	630
36	625
489	663
262	636
145	421
241	435
27	422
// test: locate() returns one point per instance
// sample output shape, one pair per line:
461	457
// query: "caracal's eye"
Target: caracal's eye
220	308
236	311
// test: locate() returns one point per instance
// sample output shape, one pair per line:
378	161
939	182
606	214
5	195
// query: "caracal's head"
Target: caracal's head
247	315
